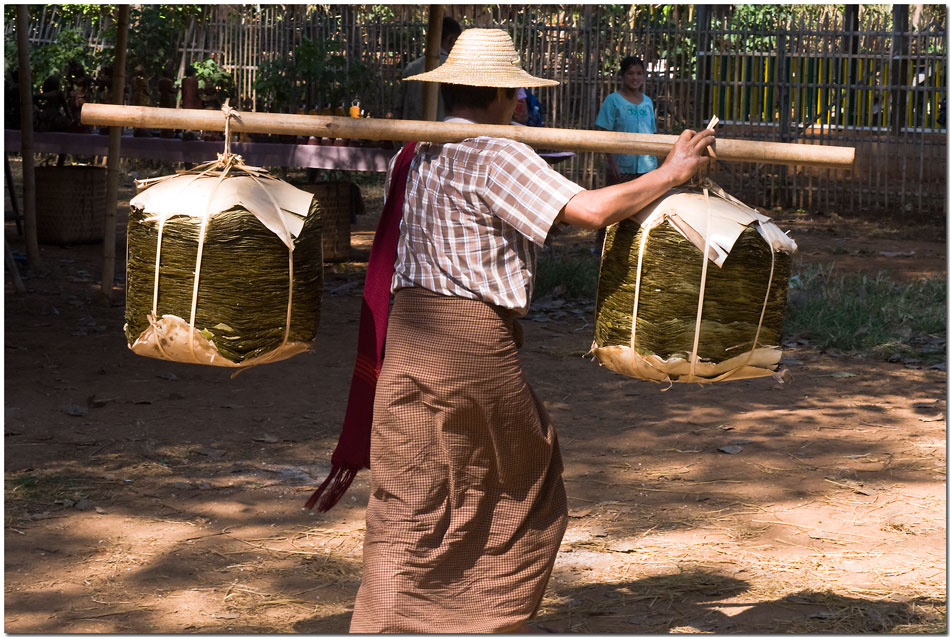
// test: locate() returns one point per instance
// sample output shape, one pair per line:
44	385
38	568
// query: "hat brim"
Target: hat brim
509	78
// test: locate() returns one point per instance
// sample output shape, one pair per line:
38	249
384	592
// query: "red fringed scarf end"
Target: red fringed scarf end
332	489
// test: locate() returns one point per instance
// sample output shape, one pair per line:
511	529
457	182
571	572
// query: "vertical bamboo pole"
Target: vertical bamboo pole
886	118
430	90
899	50
851	48
702	66
115	139
247	33
556	97
782	95
26	136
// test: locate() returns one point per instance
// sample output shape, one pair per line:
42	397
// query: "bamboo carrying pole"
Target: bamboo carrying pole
443	132
112	172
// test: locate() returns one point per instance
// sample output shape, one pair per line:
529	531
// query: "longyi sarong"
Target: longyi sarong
467	506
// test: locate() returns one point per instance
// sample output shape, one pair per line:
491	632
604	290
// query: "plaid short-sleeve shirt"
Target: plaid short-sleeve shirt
476	213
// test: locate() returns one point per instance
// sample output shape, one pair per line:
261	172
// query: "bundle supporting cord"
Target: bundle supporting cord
694	355
226	162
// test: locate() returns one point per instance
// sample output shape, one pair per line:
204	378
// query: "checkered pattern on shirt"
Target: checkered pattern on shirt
476	213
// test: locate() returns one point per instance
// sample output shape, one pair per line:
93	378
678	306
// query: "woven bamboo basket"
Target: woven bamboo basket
256	299
70	204
339	202
689	261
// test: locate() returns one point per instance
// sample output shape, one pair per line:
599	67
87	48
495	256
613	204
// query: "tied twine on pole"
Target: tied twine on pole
225	163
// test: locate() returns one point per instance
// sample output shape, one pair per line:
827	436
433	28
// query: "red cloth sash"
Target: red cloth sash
352	449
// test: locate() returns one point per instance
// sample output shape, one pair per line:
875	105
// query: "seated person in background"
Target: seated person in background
409	96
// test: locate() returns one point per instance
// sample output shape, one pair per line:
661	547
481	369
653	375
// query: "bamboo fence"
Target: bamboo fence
869	79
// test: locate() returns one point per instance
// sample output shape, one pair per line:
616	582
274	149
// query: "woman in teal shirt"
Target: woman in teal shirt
627	111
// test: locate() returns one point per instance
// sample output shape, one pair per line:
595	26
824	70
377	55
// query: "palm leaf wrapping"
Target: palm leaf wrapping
646	325
260	276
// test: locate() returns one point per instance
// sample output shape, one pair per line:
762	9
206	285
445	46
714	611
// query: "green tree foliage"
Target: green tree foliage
53	58
154	35
316	74
155	31
210	73
329	77
275	84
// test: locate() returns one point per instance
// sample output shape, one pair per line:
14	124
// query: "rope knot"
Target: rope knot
228	114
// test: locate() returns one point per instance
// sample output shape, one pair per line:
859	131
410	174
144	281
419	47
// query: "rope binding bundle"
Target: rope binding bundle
224	265
663	314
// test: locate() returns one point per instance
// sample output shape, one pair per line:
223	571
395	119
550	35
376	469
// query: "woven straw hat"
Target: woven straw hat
483	57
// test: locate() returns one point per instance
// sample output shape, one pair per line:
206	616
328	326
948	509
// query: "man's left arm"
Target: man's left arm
598	208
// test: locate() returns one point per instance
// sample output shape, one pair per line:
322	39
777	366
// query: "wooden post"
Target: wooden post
115	140
430	90
26	136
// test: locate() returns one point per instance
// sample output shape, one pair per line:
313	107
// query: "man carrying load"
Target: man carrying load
467	506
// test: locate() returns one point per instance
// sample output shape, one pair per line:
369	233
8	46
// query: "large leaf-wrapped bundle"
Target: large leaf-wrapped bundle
254	242
655	284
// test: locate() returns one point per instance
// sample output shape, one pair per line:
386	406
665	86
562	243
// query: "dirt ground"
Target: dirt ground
146	496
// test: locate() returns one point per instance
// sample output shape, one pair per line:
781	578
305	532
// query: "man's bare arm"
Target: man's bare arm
604	206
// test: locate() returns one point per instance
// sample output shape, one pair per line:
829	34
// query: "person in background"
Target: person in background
528	112
409	97
521	109
627	110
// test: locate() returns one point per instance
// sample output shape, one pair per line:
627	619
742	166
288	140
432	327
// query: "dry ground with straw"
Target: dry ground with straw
146	496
